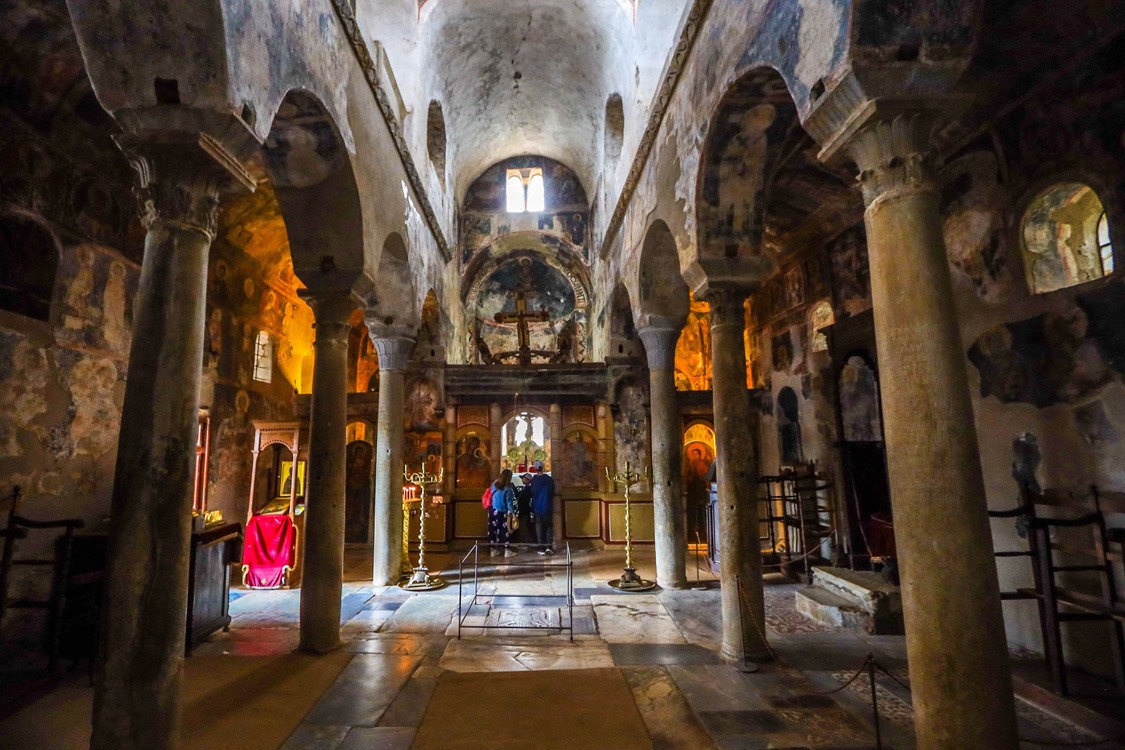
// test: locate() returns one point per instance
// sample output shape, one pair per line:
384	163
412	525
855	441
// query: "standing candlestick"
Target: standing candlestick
420	578
629	580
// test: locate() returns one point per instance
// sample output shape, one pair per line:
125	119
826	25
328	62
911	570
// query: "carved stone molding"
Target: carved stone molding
180	178
728	306
676	65
393	343
893	155
332	312
346	13
660	344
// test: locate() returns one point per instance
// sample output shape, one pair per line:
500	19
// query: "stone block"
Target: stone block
869	593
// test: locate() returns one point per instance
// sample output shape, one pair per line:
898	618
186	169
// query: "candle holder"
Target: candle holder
629	580
420	578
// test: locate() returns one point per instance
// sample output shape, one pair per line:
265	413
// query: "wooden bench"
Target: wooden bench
1046	513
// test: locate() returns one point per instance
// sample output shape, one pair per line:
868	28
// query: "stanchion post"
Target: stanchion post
874	701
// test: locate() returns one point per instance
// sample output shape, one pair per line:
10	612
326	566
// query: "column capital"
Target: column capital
332	312
893	154
659	336
728	306
181	175
393	344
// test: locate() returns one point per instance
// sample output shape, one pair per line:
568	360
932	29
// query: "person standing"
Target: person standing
542	498
503	501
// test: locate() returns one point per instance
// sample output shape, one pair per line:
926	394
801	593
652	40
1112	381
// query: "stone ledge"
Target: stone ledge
868	592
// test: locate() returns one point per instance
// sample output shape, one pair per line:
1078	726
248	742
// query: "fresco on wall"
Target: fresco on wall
698	455
976	217
693	350
1060	237
851	276
358	491
859	402
421	406
630	425
1055	357
578	462
474	468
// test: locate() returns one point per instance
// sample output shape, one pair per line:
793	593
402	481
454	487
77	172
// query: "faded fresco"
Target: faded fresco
358	494
420	409
577	464
859	402
1059	237
1055	358
851	276
631	425
693	350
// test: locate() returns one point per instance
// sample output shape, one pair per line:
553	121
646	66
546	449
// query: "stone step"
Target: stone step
829	609
869	592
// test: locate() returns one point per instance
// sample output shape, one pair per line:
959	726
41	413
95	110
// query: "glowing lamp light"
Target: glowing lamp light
411	492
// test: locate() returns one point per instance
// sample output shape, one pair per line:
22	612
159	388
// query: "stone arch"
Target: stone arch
29	261
309	166
614	133
396	303
623	338
435	139
661	289
745	143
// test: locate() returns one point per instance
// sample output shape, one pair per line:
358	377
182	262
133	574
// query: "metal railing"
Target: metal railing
545	564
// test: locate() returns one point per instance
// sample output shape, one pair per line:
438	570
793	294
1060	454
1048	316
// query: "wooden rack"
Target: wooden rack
797	514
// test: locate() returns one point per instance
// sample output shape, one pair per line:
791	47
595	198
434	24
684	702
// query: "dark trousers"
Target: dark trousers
543	529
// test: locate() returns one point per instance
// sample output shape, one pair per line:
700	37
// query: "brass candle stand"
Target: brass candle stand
629	580
420	578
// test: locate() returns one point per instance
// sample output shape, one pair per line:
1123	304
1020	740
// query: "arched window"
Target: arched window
28	263
263	358
516	202
526	191
1105	247
536	194
1065	238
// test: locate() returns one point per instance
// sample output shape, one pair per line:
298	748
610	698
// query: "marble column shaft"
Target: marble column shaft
322	584
137	699
394	350
737	475
959	669
667	464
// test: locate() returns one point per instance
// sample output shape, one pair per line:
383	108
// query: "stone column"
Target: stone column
495	446
322	583
659	338
556	440
959	670
737	475
393	345
137	700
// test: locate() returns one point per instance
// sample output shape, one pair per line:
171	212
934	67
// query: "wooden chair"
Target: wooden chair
19	527
1059	603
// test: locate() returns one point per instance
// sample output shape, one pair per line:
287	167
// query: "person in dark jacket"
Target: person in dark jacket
542	499
503	501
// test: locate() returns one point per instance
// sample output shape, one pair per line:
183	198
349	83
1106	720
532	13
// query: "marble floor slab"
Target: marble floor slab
364	690
486	655
636	619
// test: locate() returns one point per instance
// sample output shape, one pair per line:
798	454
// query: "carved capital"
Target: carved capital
332	312
660	337
727	307
393	344
180	178
893	155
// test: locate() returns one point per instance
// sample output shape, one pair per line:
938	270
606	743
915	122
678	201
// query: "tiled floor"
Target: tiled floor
664	642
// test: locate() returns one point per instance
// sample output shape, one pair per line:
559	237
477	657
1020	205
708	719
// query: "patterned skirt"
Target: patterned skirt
497	526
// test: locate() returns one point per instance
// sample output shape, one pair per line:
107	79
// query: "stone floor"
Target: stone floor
664	642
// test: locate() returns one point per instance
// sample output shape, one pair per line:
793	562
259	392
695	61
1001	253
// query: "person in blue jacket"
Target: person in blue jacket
542	497
503	501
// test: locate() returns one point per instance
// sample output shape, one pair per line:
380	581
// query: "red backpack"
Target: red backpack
486	498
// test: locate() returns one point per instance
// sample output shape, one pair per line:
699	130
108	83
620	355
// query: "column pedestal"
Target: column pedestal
393	348
667	466
740	559
322	583
959	671
137	700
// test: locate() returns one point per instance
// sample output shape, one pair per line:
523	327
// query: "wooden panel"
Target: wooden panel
472	414
642	522
470	520
582	519
435	525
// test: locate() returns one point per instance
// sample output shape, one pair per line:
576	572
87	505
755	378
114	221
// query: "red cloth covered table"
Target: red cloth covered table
268	550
